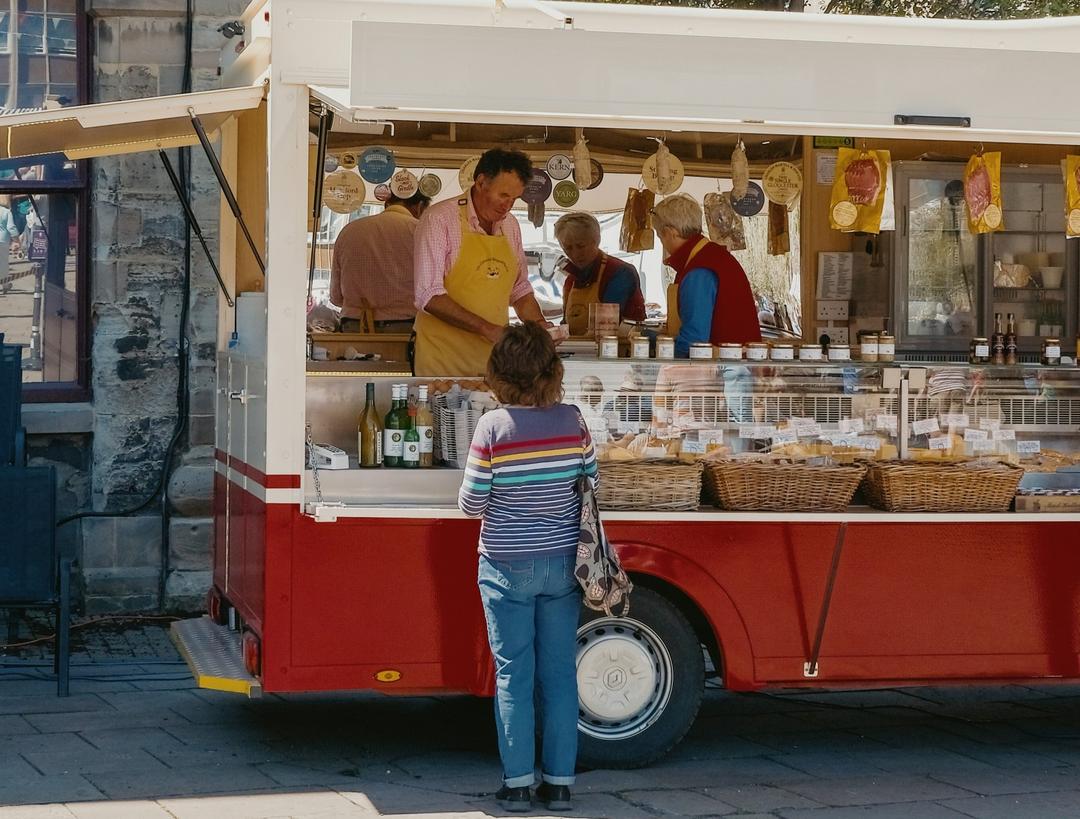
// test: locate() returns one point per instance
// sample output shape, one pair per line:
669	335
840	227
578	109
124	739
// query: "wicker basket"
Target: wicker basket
649	485
907	486
781	487
453	431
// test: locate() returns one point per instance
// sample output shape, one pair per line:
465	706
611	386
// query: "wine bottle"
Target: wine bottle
370	432
411	456
424	427
997	342
1010	341
394	431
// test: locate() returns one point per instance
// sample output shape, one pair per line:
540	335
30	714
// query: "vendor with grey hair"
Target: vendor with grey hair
592	276
710	299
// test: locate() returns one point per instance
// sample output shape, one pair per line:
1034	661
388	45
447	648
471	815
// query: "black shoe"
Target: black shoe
515	800
554	797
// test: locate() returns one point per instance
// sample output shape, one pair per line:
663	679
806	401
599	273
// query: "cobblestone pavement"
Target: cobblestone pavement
136	740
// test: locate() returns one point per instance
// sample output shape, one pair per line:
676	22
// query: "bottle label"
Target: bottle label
412	452
394	443
378	450
982	350
427	439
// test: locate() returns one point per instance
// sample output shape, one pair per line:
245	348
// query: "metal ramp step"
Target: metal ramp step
214	655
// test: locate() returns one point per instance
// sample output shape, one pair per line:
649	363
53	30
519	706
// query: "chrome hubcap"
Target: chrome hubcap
624	678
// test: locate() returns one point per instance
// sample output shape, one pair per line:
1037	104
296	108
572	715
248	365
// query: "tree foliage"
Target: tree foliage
959	9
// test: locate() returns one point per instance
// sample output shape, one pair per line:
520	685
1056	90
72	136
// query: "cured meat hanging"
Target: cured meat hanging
982	192
858	191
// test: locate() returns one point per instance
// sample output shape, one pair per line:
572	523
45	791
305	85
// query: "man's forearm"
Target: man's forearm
445	308
528	309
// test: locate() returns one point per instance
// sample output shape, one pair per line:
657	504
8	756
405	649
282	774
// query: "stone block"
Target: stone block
190	543
201	429
191	488
151	40
186	590
106	40
98	543
138	541
119	604
121	582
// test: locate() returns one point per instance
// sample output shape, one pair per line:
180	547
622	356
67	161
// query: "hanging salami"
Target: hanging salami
740	171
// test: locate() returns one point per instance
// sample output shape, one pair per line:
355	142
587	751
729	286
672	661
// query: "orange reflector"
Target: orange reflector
389	675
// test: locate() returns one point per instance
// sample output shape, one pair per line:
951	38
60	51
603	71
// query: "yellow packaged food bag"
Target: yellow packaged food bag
982	192
1070	166
858	191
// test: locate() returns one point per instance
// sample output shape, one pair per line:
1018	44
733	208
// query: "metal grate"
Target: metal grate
714	408
1040	412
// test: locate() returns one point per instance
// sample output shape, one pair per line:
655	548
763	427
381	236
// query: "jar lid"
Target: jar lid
980	338
1051	340
884	336
784	344
665	338
758	344
869	336
701	345
839	346
731	345
609	338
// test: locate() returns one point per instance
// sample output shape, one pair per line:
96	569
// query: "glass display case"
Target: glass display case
949	283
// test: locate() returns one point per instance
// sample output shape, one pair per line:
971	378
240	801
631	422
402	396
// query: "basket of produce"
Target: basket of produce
656	485
781	484
918	486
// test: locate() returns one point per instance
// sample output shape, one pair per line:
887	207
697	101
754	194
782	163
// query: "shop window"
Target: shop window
44	301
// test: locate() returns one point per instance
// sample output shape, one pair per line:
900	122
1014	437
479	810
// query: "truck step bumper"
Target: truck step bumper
214	655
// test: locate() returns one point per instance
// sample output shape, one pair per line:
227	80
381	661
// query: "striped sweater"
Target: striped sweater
521	479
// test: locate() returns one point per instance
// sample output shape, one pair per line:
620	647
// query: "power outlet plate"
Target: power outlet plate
838	335
828	310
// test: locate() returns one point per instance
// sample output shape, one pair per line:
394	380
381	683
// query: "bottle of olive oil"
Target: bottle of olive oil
370	432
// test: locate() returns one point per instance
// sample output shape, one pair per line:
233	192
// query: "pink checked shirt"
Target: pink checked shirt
438	241
373	266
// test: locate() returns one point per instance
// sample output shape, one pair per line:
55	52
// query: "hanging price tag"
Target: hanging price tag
693	447
925	427
711	436
809	431
1028	448
886	422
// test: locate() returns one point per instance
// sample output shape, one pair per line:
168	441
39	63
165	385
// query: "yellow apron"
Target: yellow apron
674	322
579	299
481	279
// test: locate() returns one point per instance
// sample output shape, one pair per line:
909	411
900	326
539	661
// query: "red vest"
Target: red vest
735	315
635	306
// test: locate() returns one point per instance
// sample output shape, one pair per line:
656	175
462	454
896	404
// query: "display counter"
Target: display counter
1027	415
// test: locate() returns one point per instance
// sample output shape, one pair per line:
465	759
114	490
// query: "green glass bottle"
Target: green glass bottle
411	456
394	430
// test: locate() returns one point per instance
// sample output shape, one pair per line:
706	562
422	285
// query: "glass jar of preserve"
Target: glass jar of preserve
665	347
979	351
1051	352
886	347
639	347
868	347
608	346
701	350
810	352
839	352
757	351
782	352
729	351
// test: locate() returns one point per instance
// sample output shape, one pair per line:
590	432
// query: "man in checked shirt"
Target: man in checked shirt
373	267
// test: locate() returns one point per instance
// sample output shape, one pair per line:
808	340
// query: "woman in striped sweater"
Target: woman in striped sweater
521	479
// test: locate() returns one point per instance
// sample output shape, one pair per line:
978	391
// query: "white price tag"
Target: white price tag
799	423
693	447
989	423
886	422
785	436
757	431
809	431
925	427
1005	434
846	440
711	436
853	425
869	442
629	426
984	445
975	434
941	442
955	419
1028	448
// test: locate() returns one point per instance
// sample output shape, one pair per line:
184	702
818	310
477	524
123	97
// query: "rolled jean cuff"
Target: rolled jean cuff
523	781
559	780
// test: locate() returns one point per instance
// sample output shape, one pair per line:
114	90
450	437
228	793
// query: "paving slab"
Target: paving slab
103	720
92	760
1060	805
903	810
763	798
257	806
678	803
46	790
35	812
47	702
876	790
1002	782
127	809
14	724
155	784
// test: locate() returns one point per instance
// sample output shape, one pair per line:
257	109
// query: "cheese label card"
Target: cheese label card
955	419
925	427
989	423
855	425
1005	434
886	422
1028	448
870	442
976	435
693	447
941	442
785	436
756	431
711	436
983	446
808	431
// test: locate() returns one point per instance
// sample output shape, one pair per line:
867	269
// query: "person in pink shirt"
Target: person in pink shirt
372	271
470	268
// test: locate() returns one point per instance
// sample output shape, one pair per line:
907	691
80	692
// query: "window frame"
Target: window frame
78	390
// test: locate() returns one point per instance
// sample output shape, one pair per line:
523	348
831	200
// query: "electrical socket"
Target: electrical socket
838	335
828	310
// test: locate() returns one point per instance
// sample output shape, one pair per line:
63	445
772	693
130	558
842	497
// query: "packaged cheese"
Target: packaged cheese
724	224
858	191
982	192
1070	165
637	233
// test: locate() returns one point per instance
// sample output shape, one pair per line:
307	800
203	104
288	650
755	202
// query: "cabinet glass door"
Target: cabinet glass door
938	292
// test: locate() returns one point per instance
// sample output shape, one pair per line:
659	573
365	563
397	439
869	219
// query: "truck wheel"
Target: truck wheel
640	682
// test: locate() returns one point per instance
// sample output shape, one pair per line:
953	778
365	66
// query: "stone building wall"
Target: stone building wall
136	276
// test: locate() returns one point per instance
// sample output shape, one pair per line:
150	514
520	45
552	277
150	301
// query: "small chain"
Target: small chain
313	463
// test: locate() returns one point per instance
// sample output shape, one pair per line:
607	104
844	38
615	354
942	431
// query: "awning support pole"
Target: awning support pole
226	188
194	223
326	119
810	669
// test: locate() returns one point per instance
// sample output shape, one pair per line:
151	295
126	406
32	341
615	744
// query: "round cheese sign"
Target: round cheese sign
782	183
566	194
430	185
560	166
343	191
538	188
467	172
403	183
670	183
377	164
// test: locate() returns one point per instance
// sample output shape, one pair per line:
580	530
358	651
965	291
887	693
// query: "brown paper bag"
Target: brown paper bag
779	240
637	233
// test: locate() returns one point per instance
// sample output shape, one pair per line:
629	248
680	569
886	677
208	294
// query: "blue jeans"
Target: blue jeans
532	609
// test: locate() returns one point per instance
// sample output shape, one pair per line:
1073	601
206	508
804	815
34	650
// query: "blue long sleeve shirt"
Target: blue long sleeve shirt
697	299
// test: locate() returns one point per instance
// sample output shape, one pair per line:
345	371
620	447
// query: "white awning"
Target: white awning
105	129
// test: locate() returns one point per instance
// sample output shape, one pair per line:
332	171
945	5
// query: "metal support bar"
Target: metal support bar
226	188
326	119
63	629
182	196
810	669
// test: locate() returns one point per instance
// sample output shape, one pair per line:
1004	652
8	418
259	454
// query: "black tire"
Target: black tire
653	627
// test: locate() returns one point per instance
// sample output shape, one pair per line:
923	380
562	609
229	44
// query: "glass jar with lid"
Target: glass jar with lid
639	347
886	347
811	352
979	351
730	351
701	350
757	351
868	347
665	347
839	352
782	352
1051	352
608	346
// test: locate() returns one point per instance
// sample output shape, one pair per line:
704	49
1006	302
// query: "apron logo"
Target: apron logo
492	268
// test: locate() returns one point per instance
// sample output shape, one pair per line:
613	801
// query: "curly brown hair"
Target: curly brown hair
524	367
